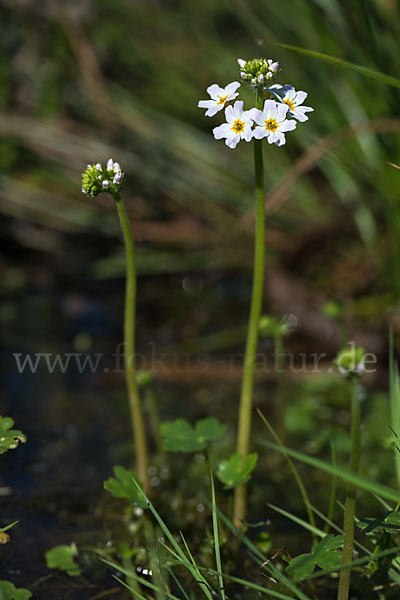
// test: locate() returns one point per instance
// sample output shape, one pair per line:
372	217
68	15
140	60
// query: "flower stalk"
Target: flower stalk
351	491
246	397
110	178
129	345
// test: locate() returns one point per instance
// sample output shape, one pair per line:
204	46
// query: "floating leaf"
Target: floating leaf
9	438
180	436
325	555
8	591
62	557
236	470
123	486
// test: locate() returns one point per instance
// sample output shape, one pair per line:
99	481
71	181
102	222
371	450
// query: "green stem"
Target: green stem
281	400
246	397
350	503
139	437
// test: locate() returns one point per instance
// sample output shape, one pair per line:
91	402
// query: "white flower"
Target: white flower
288	95
219	97
238	126
271	122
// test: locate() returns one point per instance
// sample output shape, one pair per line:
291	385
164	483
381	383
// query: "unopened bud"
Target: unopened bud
243	75
118	177
274	68
261	78
116	167
241	62
106	184
110	164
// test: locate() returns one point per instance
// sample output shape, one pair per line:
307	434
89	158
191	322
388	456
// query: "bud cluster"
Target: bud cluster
350	361
271	327
257	70
97	178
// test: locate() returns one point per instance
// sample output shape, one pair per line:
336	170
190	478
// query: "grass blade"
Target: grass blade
216	540
394	392
360	482
339	62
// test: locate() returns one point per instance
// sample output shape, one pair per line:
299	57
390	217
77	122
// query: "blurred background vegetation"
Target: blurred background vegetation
84	80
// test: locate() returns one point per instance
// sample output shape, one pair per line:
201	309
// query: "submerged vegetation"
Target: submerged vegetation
261	465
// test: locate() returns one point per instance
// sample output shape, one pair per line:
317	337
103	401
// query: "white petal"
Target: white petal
300	97
221	131
280	139
290	95
257	115
272	137
269	109
287	125
238	109
248	132
229	114
231	88
261	132
232	142
206	103
281	112
214	90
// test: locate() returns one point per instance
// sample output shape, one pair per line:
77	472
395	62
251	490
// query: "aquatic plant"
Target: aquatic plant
110	178
277	110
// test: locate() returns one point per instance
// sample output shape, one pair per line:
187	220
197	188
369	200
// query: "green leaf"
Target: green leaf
8	591
236	470
9	438
123	486
325	554
180	436
301	566
339	62
62	557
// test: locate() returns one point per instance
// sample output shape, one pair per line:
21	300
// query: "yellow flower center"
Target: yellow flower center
271	125
222	99
238	126
289	103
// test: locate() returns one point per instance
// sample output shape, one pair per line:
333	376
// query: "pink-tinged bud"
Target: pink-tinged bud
274	67
110	164
98	166
241	62
106	184
117	167
269	75
243	75
118	177
261	78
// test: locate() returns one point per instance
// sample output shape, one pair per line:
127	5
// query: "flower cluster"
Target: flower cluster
272	122
257	70
97	178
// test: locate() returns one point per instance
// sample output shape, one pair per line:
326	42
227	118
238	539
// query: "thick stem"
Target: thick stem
350	503
139	436
246	397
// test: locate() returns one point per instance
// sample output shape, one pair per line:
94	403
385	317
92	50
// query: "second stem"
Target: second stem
139	435
246	396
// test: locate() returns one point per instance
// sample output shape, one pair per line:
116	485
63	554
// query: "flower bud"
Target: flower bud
106	184
260	78
269	75
118	177
116	167
274	68
98	166
243	75
241	62
110	164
